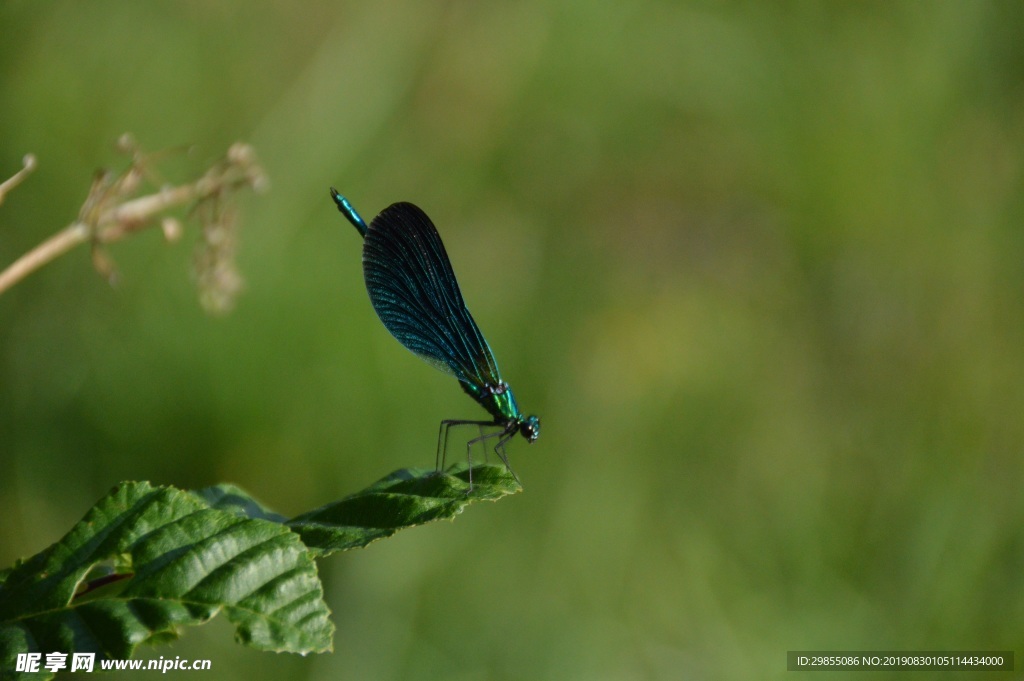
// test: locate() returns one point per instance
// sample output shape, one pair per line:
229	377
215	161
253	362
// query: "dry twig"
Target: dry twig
28	164
110	213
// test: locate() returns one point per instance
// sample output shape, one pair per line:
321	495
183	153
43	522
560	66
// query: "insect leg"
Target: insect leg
480	429
499	449
442	437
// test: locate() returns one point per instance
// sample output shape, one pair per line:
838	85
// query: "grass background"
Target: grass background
758	266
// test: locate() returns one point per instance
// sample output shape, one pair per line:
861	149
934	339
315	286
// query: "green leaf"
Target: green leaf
169	561
228	497
405	498
147	561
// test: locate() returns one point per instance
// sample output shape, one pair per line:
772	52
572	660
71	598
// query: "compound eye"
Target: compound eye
530	428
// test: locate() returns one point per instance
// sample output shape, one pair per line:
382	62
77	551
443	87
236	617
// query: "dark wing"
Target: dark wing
414	291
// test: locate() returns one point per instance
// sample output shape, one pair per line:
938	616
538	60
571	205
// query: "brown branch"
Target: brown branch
28	164
109	214
54	247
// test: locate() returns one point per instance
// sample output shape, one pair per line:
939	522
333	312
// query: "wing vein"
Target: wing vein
415	293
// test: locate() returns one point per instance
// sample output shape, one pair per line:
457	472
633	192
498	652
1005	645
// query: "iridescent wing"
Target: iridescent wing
414	291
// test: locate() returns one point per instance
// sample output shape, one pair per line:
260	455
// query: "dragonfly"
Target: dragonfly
414	291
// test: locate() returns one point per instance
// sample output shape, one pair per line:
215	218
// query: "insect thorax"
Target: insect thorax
497	399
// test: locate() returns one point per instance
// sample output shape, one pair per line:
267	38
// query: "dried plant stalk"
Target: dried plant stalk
112	211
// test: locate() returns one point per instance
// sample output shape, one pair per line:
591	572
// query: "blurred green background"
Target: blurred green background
758	266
